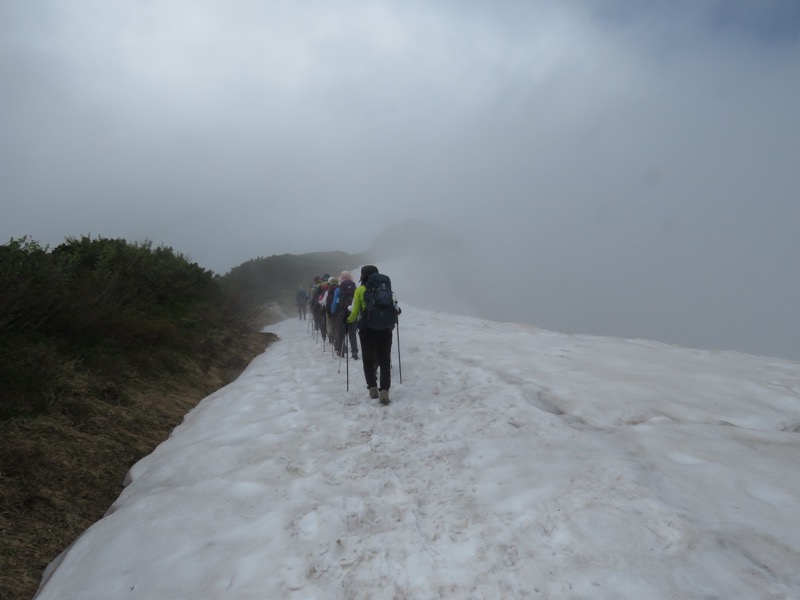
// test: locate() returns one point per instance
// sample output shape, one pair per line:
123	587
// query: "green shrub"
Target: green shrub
104	346
276	278
105	307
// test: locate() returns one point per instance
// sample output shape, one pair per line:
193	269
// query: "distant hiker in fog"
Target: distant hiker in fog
313	302
333	285
302	302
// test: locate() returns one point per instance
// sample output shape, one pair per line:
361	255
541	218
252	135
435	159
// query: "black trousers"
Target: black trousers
376	353
344	333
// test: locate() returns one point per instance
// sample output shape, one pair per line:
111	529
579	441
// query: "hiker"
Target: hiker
333	285
375	330
301	297
323	316
340	309
313	301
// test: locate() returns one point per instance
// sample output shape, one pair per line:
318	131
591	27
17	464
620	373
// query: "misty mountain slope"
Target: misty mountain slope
513	463
430	267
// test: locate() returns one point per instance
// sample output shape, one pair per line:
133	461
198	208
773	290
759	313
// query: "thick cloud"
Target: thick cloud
630	168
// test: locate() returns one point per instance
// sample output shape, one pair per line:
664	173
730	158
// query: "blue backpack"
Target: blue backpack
379	309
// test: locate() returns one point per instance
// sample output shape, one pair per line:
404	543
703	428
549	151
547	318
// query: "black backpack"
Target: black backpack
379	309
346	290
329	300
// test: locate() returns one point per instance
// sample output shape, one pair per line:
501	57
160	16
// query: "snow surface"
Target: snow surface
513	463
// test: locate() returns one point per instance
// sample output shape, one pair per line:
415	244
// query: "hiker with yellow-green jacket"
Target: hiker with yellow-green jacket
375	311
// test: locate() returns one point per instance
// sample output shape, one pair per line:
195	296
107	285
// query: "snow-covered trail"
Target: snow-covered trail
512	463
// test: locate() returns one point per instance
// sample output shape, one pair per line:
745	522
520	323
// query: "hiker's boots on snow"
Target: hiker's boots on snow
384	396
373	392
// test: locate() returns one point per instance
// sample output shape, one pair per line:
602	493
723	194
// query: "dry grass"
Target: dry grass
59	473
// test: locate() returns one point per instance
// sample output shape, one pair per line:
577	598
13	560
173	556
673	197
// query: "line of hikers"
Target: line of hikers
339	309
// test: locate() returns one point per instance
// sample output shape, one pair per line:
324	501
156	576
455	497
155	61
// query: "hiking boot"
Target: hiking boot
355	355
384	395
373	392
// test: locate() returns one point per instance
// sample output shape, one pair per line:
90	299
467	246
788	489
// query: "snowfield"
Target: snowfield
513	462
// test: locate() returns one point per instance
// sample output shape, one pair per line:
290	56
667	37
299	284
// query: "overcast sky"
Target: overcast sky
634	162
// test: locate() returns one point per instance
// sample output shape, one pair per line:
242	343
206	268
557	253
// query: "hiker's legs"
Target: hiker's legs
368	356
353	344
338	334
317	318
331	326
383	354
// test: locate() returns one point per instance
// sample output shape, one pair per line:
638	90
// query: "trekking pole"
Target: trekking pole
399	362
345	351
341	346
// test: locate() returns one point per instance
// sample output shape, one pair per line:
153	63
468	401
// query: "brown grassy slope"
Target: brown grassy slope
60	473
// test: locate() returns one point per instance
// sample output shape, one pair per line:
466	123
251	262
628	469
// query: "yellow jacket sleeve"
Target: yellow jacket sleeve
358	304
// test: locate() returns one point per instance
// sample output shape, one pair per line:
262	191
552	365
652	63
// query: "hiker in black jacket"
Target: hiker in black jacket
375	330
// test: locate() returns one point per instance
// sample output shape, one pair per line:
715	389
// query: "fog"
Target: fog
604	167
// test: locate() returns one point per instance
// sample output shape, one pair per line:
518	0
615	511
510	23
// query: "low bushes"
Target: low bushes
104	346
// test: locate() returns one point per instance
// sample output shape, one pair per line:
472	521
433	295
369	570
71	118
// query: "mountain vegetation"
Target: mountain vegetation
104	346
277	278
